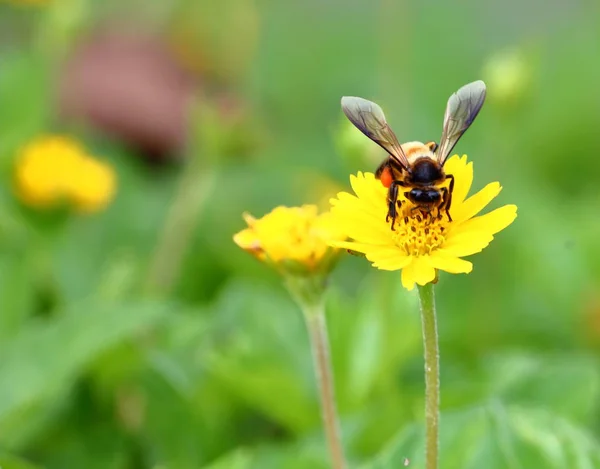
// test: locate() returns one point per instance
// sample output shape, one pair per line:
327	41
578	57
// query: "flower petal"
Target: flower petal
465	243
418	271
359	221
491	222
388	258
367	187
450	264
423	271
474	204
463	177
352	246
408	276
246	239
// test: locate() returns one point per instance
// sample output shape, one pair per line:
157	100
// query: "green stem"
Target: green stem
314	315
432	375
192	194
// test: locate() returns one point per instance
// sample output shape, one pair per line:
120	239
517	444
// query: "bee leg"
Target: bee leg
429	218
392	201
418	217
443	205
449	196
399	204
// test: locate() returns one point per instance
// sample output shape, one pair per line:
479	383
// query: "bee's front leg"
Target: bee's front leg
393	202
448	196
391	199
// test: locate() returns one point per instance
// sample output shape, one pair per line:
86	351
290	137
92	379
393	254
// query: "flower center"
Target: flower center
419	234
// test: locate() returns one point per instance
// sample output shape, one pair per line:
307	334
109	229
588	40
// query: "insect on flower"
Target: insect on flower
415	168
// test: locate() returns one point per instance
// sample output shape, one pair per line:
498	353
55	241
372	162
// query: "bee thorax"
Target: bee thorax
426	171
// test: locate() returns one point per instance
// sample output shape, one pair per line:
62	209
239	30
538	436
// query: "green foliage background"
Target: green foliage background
100	370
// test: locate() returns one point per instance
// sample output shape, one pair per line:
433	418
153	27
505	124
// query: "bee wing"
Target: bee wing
370	120
463	106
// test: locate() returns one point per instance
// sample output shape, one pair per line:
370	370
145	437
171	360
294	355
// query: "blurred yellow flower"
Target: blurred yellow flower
293	238
54	169
418	246
94	187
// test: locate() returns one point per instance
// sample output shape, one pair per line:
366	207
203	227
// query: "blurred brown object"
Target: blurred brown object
130	87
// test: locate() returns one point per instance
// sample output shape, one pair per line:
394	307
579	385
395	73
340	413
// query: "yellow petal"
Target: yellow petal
364	229
463	177
347	209
408	276
360	221
245	238
368	188
465	243
418	271
388	258
450	264
358	247
474	204
491	222
423	271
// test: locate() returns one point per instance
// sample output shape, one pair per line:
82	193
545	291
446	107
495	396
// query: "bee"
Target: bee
415	168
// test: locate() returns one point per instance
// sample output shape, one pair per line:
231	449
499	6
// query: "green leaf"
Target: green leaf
17	292
305	454
23	102
8	461
48	355
85	439
498	437
568	383
238	459
372	334
261	351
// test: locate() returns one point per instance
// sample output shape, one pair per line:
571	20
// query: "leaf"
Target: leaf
498	437
48	355
17	292
567	383
305	454
238	459
85	439
261	350
382	334
8	461
23	102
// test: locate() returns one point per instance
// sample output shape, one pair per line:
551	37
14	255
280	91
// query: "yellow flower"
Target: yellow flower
53	169
94	187
292	238
418	246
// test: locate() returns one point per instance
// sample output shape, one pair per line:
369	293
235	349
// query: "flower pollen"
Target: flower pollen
417	237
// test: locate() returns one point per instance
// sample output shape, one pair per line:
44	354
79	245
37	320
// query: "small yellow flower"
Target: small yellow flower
94	187
291	237
53	169
418	246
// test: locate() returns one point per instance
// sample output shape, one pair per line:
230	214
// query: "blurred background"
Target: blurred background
134	334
